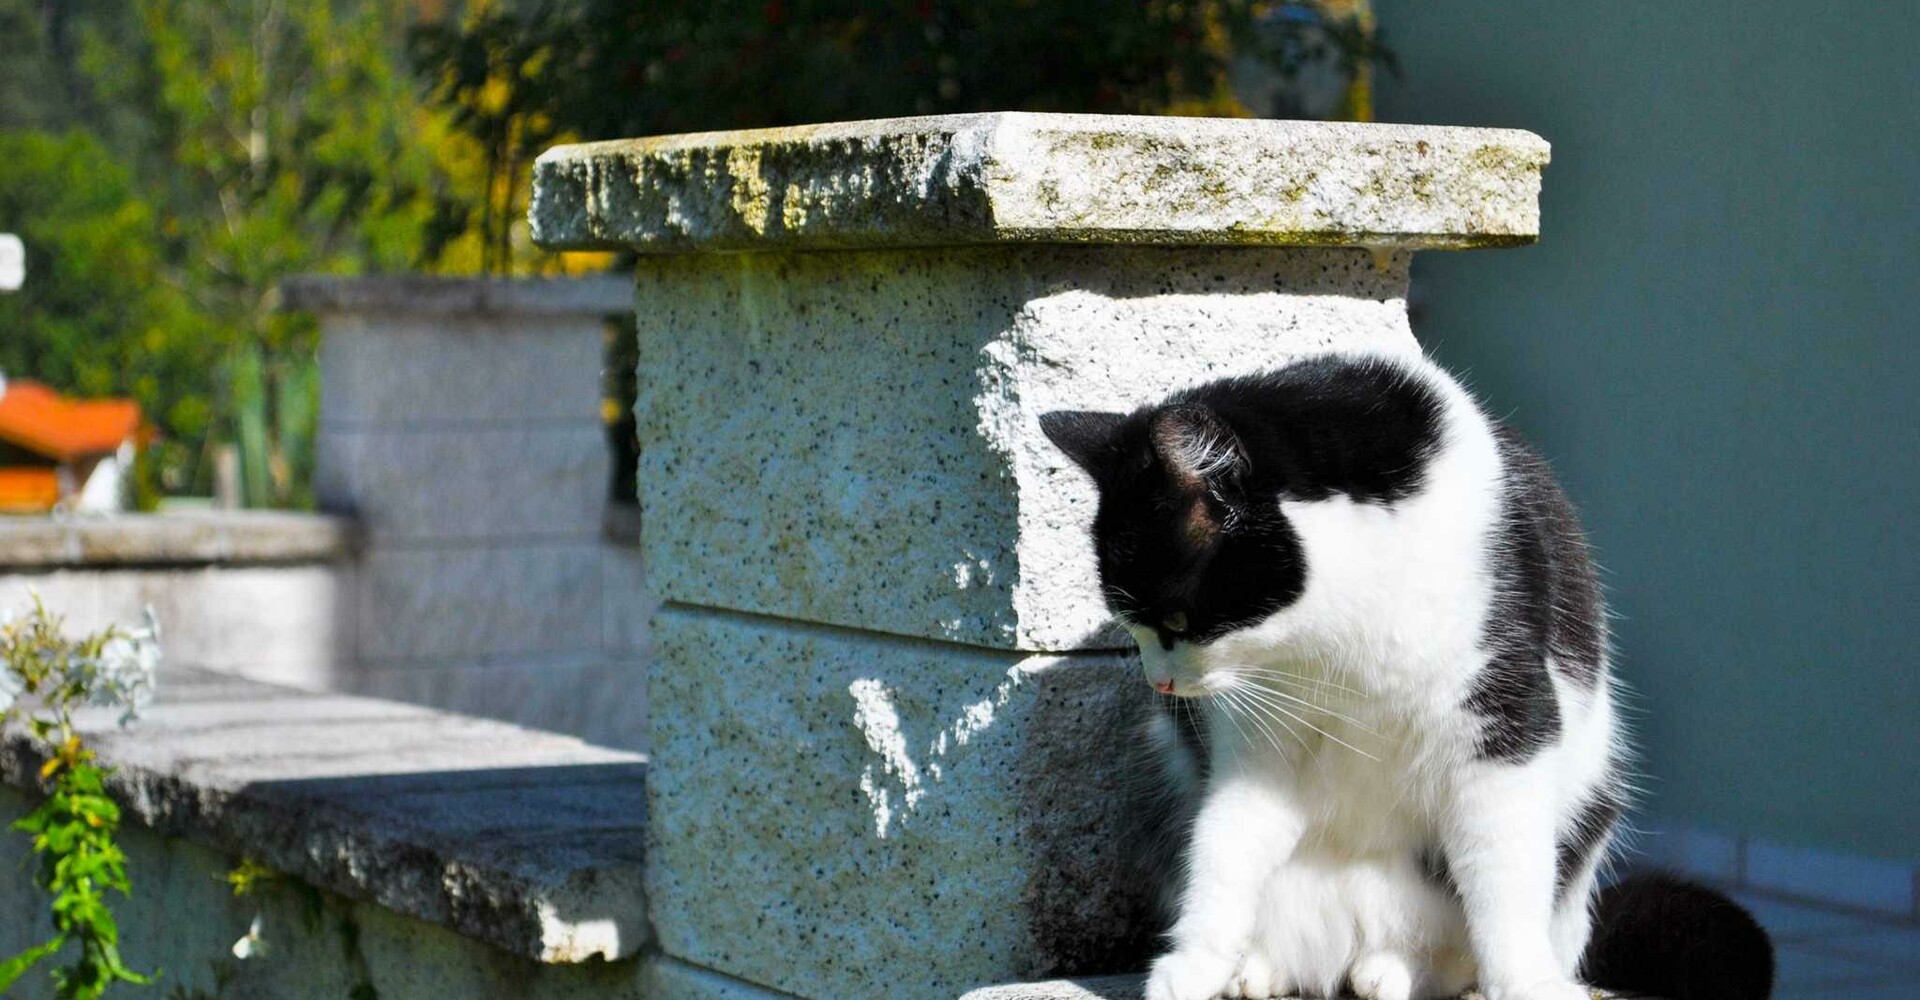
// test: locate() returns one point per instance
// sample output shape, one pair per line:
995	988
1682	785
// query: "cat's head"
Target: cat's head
1195	555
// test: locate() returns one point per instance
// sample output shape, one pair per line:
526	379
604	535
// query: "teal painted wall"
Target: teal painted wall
1715	343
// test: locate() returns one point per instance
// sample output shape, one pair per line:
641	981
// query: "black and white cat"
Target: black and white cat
1390	753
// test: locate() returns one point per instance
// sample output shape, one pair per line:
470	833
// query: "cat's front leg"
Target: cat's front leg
1248	825
1499	839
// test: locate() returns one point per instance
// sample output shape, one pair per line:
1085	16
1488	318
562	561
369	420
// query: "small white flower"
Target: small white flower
252	945
129	668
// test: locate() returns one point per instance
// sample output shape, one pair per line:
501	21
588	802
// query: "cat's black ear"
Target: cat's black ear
1197	447
1087	436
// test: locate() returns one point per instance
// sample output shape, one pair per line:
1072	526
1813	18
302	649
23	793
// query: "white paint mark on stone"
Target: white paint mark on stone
880	799
878	720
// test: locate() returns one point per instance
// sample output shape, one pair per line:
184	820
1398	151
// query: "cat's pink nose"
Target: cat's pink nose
1164	687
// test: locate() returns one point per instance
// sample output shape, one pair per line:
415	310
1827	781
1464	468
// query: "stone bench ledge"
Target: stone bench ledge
527	841
174	539
1044	178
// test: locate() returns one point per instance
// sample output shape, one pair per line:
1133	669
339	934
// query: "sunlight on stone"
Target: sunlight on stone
879	722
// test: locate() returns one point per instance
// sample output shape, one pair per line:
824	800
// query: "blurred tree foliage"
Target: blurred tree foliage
521	75
98	314
265	138
170	161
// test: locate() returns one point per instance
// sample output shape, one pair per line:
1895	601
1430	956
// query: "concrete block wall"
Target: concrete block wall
886	697
460	427
266	595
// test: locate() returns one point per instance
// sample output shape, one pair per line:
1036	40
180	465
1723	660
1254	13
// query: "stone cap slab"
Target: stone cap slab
174	539
527	841
431	295
1020	177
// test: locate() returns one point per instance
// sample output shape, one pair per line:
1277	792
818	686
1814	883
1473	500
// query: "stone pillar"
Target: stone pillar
460	426
886	696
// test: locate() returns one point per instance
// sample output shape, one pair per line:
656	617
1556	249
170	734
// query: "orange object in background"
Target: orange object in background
42	421
50	444
28	490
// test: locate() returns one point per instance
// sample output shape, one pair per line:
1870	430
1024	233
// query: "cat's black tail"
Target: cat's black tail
1657	935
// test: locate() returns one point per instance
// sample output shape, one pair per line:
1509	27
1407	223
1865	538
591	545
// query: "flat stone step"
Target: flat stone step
1086	988
1126	988
529	841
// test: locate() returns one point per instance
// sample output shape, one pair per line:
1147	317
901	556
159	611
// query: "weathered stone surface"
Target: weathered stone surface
526	841
252	536
487	483
1044	178
837	814
854	438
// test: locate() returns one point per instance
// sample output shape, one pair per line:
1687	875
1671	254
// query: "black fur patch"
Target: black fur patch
1162	807
1550	561
1192	727
1659	936
1515	699
1592	825
1546	610
1197	550
1434	866
1362	427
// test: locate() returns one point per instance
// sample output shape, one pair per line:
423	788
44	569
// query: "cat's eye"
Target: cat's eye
1175	622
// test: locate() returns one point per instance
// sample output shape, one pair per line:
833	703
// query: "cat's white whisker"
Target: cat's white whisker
1300	678
1236	725
1312	707
1276	706
1272	737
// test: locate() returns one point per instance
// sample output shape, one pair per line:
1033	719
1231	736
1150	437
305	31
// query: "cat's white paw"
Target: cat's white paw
1253	980
1546	989
1382	975
1189	975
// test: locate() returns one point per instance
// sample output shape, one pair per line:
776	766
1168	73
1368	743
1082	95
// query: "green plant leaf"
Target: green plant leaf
13	968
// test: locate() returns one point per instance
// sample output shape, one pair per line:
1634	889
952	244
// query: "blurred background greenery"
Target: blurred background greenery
168	162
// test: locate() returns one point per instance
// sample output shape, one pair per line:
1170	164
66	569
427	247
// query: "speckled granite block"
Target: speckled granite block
853	438
836	814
